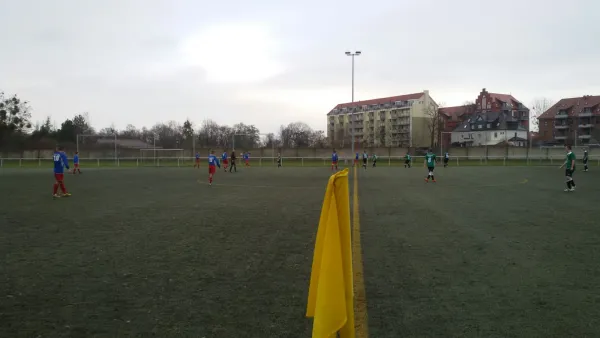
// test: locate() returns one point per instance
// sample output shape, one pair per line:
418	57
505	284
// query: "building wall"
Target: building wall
487	137
369	124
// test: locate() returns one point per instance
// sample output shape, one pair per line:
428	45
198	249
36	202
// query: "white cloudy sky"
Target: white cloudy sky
270	62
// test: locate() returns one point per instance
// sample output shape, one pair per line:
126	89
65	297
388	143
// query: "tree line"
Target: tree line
18	132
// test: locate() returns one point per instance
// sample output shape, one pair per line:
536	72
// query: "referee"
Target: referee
233	166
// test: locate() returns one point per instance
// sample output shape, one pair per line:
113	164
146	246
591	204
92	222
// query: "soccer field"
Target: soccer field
484	252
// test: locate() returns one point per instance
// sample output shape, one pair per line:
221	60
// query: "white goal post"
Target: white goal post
272	145
157	153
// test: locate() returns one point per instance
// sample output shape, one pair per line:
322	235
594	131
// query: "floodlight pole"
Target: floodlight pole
352	54
116	157
154	148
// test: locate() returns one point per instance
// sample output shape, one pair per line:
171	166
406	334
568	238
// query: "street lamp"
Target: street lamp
352	54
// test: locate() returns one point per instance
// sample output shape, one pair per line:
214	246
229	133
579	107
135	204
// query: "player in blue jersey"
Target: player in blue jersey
247	159
76	163
197	164
213	163
60	163
224	159
334	160
356	160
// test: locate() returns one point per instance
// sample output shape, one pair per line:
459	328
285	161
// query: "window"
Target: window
489	125
479	126
495	134
545	123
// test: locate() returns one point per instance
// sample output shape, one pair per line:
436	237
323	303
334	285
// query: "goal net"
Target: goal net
163	157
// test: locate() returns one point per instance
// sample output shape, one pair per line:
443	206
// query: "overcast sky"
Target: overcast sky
271	62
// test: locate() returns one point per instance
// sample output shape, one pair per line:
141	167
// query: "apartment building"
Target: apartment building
390	121
574	121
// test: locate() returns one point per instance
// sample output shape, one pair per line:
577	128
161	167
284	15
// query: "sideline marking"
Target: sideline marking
258	186
361	325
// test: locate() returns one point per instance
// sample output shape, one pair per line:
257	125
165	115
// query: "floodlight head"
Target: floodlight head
357	52
348	53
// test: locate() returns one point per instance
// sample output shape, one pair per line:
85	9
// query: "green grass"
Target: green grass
484	252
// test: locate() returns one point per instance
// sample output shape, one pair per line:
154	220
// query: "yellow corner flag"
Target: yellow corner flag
330	295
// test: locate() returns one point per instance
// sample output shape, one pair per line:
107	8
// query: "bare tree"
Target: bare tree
538	107
435	123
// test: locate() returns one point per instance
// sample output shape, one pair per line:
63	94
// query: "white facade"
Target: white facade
486	137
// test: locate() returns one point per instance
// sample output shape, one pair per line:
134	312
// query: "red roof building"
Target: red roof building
484	103
572	121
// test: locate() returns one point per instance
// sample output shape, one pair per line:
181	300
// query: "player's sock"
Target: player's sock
433	178
568	184
572	184
55	188
210	178
62	188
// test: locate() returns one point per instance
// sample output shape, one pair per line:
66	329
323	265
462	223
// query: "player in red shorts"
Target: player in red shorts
224	159
197	164
334	160
60	163
213	163
76	163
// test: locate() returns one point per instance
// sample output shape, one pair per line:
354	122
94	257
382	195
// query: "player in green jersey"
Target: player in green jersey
407	160
570	169
374	159
430	163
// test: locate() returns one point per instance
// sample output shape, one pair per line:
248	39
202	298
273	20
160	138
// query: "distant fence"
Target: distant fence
290	161
467	152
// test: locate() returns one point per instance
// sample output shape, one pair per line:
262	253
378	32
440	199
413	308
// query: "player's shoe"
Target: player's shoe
572	189
427	180
433	181
66	194
567	190
55	196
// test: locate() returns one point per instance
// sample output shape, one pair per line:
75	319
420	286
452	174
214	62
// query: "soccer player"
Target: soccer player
365	157
446	159
247	159
374	159
197	164
233	158
570	168
585	160
60	162
334	160
356	160
213	163
76	163
278	160
407	160
430	163
224	160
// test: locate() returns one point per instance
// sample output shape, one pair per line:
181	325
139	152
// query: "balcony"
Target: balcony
585	113
586	125
584	137
561	117
561	126
559	137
